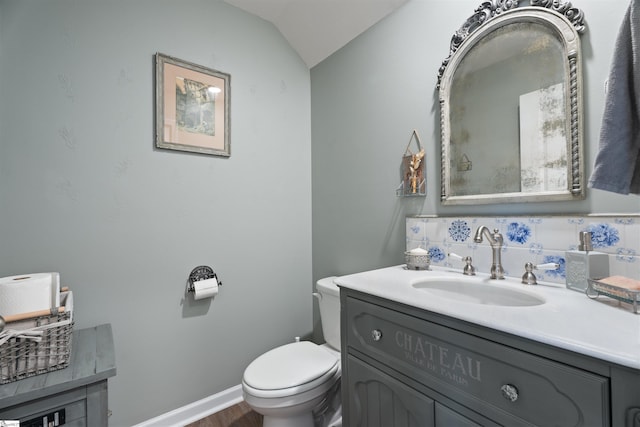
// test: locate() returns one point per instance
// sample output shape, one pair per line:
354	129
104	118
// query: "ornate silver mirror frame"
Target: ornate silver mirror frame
561	24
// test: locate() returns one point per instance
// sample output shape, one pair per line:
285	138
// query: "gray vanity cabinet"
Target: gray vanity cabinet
408	367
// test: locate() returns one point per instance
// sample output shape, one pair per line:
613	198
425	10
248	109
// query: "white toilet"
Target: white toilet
291	382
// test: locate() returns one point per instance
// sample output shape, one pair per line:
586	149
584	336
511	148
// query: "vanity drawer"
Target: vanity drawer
510	386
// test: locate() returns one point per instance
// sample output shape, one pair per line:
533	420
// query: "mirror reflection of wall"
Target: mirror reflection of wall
543	136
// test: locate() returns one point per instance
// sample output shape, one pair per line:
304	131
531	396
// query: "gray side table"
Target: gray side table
77	394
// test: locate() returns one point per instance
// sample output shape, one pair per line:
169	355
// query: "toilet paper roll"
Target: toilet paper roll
207	288
29	292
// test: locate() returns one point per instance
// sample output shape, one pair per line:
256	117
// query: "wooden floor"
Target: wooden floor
239	415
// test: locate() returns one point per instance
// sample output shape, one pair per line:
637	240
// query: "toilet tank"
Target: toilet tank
329	302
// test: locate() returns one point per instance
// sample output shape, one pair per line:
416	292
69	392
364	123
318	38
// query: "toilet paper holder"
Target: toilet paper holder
201	272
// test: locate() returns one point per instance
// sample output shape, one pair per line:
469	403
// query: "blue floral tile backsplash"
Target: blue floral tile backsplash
540	240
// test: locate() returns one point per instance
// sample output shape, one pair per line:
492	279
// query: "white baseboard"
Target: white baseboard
197	410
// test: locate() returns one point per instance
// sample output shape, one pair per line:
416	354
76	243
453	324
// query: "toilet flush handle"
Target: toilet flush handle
317	295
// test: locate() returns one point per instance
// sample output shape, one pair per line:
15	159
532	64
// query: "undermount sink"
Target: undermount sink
478	292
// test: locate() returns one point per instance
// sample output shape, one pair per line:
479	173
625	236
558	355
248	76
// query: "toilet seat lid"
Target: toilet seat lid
290	365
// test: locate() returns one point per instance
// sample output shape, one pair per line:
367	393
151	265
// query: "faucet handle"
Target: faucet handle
469	269
528	278
547	266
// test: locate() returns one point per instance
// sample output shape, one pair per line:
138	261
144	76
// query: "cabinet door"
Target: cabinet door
446	417
376	399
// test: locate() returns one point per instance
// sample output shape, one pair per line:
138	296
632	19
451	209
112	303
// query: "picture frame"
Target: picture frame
192	107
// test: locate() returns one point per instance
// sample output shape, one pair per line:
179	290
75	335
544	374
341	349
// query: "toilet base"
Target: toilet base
287	414
302	420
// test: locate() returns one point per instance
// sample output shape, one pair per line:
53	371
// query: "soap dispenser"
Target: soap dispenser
584	264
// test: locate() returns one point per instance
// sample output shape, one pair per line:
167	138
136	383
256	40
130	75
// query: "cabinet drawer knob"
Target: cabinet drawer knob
510	392
376	334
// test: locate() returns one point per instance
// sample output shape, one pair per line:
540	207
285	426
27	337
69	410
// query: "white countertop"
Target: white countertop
601	328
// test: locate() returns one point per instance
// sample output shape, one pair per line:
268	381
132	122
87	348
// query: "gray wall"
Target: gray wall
367	98
84	192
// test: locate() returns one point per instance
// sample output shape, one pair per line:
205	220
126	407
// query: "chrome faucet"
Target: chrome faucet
495	240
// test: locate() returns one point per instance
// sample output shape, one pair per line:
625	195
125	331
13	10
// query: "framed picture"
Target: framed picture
192	107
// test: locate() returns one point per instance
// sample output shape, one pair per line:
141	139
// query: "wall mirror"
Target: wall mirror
510	95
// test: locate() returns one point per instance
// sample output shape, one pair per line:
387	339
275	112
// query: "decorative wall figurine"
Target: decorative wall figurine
412	169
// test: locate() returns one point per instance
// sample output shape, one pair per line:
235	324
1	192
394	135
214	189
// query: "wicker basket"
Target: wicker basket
37	345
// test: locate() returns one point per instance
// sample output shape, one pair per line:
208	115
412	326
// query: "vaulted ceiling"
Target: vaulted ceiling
318	28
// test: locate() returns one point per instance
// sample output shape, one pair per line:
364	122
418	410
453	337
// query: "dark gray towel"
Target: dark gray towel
617	164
